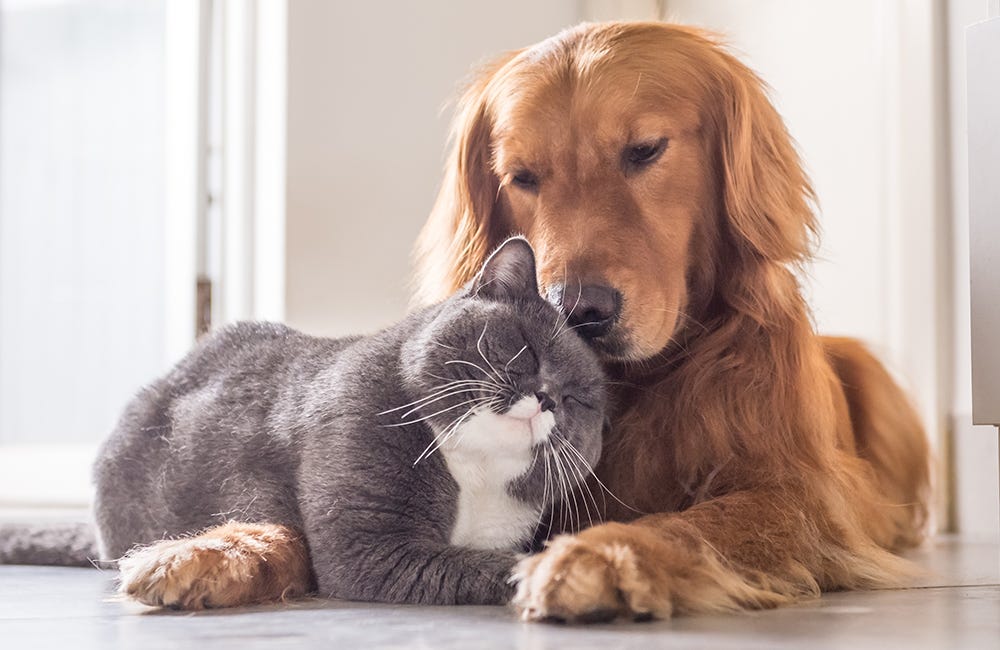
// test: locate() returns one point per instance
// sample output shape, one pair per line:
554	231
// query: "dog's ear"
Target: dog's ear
460	232
767	195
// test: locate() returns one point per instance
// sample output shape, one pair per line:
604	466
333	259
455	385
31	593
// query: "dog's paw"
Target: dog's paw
234	564
575	580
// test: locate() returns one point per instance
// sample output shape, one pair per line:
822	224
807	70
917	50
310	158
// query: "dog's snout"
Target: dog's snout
592	309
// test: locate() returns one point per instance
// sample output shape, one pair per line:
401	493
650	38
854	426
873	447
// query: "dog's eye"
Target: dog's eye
525	180
638	155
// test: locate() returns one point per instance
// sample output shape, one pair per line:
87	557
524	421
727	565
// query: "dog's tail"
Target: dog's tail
57	544
888	434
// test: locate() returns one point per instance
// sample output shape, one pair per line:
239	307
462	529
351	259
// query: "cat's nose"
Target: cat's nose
592	309
545	403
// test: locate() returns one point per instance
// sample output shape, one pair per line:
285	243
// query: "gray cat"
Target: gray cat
417	461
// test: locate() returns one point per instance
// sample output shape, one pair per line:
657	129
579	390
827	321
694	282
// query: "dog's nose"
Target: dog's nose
591	310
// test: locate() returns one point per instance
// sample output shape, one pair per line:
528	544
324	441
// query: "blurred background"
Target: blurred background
172	165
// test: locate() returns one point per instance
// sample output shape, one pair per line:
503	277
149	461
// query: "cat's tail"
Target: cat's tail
58	544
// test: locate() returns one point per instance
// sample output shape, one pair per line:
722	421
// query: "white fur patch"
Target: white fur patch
484	455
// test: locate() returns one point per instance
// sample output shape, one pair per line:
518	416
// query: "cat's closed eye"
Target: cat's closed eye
573	400
523	362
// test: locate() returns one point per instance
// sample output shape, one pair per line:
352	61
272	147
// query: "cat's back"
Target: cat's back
241	368
256	347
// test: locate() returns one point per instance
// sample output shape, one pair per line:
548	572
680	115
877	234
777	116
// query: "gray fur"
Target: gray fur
261	423
58	544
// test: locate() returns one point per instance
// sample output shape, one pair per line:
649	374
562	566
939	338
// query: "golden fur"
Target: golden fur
779	463
225	566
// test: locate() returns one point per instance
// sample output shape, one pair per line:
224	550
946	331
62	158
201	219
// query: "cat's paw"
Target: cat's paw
230	565
586	581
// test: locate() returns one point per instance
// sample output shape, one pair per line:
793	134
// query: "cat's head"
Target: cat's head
500	355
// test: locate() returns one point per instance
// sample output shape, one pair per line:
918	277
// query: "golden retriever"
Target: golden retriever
669	210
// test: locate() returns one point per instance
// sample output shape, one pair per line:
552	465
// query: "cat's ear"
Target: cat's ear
508	273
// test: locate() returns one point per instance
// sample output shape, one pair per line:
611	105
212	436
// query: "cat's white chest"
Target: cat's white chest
484	456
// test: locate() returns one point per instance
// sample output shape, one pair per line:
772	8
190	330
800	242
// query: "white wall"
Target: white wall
975	447
366	140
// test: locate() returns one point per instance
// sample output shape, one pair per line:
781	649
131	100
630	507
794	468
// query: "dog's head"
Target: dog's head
648	169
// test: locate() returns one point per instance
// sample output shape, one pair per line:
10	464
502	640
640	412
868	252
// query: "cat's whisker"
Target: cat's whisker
479	348
450	431
427	417
569	314
453	428
555	327
545	493
495	403
566	509
443	436
572	482
488	382
441	397
531	465
557	490
576	461
445	379
506	371
437	390
489	406
495	381
567	329
601	483
422	403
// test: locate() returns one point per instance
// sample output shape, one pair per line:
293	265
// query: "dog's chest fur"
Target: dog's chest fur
486	454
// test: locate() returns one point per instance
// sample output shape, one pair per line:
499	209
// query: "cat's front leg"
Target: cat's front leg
408	571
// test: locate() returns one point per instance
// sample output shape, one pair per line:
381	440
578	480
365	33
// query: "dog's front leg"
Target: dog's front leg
751	549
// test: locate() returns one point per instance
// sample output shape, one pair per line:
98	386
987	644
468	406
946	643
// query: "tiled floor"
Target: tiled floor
43	607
